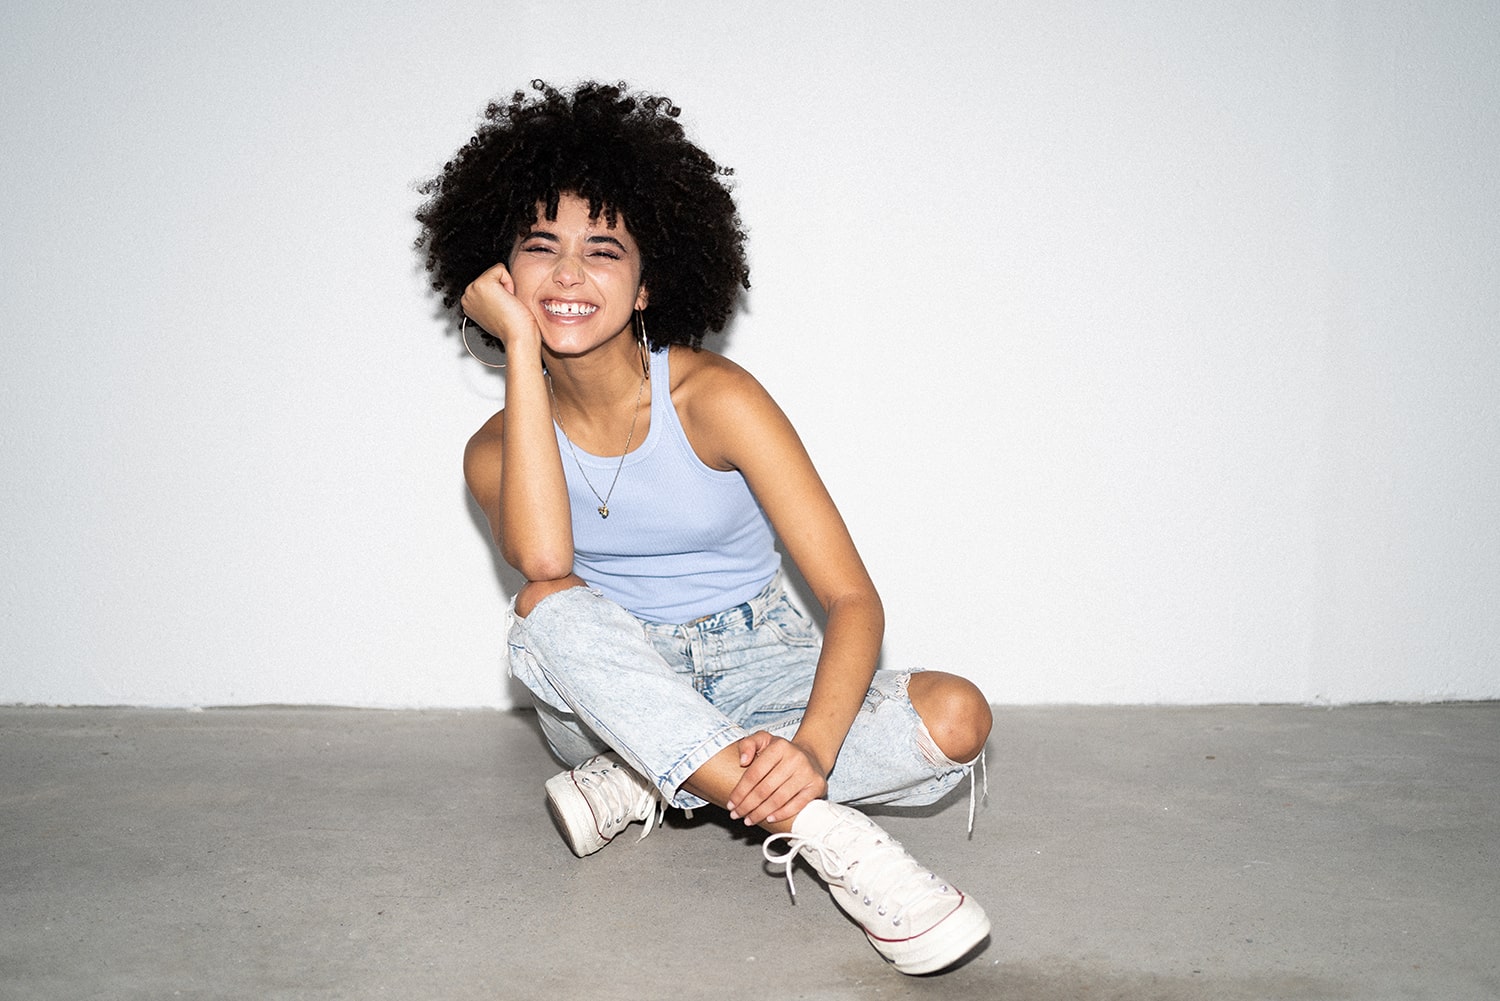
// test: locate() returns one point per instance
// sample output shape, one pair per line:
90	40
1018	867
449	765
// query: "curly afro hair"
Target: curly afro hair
629	158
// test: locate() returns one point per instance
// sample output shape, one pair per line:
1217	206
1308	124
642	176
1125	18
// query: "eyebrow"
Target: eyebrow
542	234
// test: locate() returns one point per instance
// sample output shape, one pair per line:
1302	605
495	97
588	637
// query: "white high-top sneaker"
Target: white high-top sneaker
600	798
912	918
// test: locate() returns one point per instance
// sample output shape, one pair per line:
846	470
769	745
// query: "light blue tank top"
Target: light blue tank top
682	540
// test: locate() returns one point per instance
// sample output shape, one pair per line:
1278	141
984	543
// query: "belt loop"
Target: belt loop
762	603
693	636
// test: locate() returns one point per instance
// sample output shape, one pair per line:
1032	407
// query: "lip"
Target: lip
568	310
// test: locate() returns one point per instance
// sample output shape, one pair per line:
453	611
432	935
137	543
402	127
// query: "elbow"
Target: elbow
536	555
877	614
538	564
859	604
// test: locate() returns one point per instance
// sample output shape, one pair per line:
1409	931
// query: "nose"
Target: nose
568	271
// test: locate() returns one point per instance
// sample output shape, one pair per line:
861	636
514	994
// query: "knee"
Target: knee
535	590
955	712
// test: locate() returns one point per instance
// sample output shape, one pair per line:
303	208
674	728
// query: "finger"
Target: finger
765	774
744	796
794	801
750	749
471	301
752	745
798	787
495	272
770	794
794	806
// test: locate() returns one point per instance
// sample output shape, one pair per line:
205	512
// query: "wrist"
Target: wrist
821	759
526	340
525	350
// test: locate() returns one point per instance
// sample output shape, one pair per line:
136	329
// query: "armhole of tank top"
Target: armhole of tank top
678	432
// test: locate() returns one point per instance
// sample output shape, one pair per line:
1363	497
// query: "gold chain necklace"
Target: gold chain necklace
603	508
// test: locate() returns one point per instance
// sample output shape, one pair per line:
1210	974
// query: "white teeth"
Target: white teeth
569	308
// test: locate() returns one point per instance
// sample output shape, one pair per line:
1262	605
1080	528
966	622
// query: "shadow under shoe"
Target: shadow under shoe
600	798
914	919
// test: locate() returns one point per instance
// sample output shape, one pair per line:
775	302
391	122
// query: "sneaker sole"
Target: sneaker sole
578	827
942	945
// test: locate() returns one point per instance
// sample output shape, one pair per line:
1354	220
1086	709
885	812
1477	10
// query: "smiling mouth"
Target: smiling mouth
558	308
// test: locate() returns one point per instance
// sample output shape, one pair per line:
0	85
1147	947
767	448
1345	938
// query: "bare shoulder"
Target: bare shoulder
488	437
482	458
722	407
708	385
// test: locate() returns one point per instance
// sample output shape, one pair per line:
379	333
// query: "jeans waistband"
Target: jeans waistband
746	613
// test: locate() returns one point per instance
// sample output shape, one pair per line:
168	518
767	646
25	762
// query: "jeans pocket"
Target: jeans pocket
790	625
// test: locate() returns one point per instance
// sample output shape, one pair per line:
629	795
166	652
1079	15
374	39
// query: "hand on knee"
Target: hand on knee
955	712
535	590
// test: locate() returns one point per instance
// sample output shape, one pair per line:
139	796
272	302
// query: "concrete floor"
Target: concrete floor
1125	853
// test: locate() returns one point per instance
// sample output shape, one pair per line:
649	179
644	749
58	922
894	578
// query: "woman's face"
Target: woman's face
581	278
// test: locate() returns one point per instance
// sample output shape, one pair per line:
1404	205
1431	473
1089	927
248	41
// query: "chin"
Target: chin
569	345
568	348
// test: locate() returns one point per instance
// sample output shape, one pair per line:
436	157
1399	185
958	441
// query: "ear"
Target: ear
642	296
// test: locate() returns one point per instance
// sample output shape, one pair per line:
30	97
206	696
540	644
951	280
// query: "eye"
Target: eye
607	254
535	248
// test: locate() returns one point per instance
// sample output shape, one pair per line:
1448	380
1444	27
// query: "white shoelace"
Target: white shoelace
986	772
886	863
649	806
655	817
656	811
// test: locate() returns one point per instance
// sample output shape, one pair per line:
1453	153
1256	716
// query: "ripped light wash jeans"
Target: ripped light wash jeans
667	698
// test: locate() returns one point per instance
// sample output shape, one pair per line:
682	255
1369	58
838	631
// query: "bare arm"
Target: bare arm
512	464
733	423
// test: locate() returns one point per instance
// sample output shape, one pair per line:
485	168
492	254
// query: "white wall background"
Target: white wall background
1149	348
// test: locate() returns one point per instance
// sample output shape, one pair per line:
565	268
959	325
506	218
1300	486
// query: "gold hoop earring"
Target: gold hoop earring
463	335
640	339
